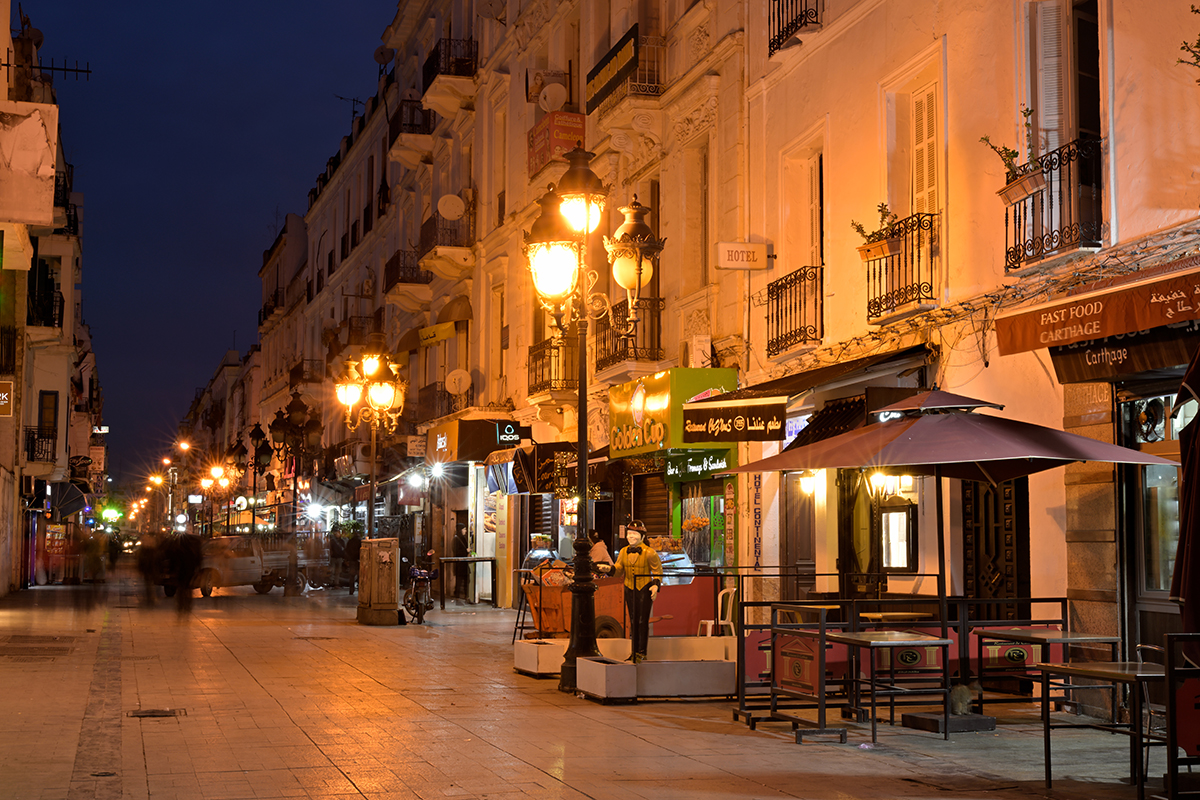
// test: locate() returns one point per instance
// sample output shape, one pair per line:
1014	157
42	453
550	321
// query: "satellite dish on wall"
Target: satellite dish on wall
553	97
451	207
384	55
458	382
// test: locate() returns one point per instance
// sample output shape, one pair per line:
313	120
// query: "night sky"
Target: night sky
202	126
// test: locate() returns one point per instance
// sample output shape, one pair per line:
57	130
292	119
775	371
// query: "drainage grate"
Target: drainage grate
314	638
29	659
34	651
157	712
28	638
138	658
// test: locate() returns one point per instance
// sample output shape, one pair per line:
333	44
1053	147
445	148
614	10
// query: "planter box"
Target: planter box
607	678
686	678
1016	191
544	657
882	249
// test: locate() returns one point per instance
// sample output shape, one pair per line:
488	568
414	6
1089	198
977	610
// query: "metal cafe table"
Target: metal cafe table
1039	637
465	560
1112	674
876	641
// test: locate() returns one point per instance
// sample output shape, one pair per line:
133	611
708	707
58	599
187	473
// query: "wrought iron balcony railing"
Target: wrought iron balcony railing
41	444
437	231
433	401
403	267
795	313
63	183
644	345
358	329
1067	213
450	57
307	370
273	303
554	365
411	117
786	18
45	310
902	279
648	79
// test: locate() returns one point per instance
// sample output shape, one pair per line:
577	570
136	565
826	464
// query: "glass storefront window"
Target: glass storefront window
703	521
1160	531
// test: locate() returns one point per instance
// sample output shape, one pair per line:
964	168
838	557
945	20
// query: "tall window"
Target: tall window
47	412
803	218
1064	39
924	150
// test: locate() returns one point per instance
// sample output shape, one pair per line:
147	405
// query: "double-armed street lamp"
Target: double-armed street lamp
256	460
295	435
372	392
556	247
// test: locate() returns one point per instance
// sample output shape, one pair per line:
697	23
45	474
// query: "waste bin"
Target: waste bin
379	582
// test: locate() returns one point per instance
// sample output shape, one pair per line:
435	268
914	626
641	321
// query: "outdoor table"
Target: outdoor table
894	616
466	560
1114	673
1042	638
874	641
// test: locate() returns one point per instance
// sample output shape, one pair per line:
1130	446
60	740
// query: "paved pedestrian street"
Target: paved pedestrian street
250	696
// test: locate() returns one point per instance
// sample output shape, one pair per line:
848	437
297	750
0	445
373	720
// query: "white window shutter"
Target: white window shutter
814	210
1049	75
924	170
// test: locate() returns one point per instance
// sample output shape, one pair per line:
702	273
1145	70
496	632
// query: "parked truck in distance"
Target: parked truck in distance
259	560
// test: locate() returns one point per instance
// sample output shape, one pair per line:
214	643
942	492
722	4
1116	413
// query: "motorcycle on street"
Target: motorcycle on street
419	597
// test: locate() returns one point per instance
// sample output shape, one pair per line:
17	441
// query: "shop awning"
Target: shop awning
66	498
456	310
409	341
792	385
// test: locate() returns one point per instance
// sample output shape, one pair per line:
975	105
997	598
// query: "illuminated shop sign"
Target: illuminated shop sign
696	467
646	415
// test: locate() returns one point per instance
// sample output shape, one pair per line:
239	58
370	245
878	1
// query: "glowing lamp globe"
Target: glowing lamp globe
582	192
633	248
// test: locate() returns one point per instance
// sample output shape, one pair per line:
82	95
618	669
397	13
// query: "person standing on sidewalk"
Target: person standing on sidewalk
337	554
642	568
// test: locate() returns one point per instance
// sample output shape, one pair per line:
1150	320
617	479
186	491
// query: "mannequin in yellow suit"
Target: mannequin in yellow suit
642	569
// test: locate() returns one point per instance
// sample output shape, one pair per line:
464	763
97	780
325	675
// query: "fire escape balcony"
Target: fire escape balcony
902	269
435	401
405	284
623	358
788	18
410	131
795	314
449	76
445	244
1057	212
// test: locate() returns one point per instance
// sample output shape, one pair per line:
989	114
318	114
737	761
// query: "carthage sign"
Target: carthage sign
1105	312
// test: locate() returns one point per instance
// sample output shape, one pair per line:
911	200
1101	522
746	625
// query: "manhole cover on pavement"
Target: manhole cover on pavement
157	712
6	650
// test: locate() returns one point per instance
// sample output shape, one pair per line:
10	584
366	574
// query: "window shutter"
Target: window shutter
925	150
1049	54
815	237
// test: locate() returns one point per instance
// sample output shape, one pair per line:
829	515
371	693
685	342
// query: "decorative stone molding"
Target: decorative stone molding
696	323
698	43
698	121
531	22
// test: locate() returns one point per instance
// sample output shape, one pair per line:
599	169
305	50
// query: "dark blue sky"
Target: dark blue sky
201	124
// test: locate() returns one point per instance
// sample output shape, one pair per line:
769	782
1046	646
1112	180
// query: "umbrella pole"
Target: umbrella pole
943	610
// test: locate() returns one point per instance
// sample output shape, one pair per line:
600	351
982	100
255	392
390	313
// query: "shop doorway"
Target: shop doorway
799	539
858	563
996	545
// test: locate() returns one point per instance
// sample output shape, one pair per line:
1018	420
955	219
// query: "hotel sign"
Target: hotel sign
617	65
1172	298
741	255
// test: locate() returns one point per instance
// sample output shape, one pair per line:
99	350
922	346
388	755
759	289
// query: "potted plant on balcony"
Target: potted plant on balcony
879	243
1020	180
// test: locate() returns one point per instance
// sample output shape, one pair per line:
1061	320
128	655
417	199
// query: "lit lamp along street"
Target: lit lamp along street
295	437
375	378
256	460
556	248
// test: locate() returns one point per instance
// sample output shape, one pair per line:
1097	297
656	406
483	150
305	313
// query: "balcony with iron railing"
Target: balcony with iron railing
306	370
438	232
645	345
1063	211
272	306
41	444
900	279
648	79
44	309
794	310
448	75
554	366
404	268
434	401
786	18
64	182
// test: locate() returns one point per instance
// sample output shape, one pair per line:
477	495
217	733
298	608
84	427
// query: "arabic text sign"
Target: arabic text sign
1094	316
716	422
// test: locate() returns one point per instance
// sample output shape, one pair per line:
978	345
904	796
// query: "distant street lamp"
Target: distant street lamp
295	435
374	378
556	247
257	461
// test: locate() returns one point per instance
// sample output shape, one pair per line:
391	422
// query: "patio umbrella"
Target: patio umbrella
936	433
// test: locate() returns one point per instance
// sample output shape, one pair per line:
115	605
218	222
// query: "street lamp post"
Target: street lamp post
555	247
295	435
257	461
371	390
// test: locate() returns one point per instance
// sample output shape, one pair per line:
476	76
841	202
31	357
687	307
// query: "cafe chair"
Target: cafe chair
725	603
1155	714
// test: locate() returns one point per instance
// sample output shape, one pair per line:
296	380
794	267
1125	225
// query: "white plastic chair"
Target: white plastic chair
725	609
1155	714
